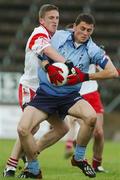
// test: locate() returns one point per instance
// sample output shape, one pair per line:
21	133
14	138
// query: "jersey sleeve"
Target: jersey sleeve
39	41
97	55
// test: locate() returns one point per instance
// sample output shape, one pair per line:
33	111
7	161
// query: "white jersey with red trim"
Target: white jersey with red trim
38	40
89	86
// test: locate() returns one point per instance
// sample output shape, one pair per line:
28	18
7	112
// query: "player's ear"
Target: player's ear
41	20
74	26
92	30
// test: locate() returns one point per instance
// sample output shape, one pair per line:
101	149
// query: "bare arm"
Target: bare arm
53	54
56	57
109	72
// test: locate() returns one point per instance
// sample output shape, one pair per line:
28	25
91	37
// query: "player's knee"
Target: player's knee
98	134
91	119
22	131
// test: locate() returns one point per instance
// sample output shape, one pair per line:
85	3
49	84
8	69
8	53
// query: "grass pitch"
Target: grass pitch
55	167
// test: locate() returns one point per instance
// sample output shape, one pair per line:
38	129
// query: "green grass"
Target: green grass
55	167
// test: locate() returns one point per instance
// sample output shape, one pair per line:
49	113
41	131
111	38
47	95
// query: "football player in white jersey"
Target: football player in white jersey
38	43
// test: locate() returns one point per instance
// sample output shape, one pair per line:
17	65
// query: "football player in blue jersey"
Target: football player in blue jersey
50	98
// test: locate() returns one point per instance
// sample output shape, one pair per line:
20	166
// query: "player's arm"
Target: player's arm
50	53
108	72
53	54
40	44
54	71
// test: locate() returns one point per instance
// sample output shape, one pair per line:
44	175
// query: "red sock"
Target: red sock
96	162
12	162
69	144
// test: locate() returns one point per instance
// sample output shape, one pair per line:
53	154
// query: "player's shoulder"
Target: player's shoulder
93	48
60	38
61	33
40	30
92	45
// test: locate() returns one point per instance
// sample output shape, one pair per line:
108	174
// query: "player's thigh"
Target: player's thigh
57	122
31	117
82	109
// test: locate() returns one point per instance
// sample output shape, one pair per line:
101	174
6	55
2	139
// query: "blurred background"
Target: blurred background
17	20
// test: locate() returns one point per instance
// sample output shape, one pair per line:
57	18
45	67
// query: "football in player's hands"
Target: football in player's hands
63	71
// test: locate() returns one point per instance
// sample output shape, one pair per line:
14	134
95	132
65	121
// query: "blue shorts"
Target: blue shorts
51	104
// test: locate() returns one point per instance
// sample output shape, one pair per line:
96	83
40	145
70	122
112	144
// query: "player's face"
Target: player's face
83	31
50	21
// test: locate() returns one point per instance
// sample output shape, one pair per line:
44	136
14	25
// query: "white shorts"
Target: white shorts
25	95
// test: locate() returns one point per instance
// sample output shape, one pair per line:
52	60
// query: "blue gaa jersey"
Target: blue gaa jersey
81	55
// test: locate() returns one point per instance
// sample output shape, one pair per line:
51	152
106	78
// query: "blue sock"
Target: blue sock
79	152
33	167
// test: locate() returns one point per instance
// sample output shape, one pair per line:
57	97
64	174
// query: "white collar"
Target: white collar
77	44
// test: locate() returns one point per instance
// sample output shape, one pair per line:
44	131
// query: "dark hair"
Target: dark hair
88	18
45	8
69	26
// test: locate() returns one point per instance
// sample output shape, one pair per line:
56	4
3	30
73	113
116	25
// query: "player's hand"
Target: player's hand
54	74
78	77
70	66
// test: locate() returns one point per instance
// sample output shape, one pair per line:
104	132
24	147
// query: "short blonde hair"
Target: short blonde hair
45	8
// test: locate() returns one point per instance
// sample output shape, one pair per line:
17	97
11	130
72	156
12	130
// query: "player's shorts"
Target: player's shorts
25	95
95	101
51	104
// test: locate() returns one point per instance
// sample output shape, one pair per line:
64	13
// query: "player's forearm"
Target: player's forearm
109	72
53	54
105	74
100	76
